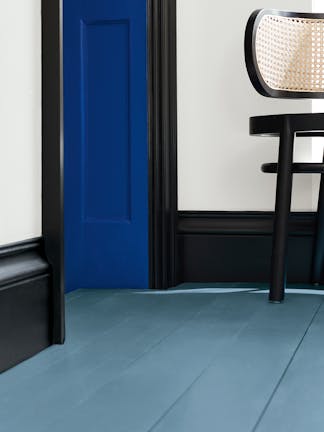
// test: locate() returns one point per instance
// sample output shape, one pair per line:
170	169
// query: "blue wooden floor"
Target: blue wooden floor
189	360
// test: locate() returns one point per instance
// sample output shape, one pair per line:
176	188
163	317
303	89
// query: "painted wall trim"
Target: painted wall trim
236	246
52	158
162	74
20	261
25	302
241	223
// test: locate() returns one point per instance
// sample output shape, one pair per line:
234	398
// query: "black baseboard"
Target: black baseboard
236	246
25	302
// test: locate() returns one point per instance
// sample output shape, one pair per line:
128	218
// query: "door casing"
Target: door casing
162	120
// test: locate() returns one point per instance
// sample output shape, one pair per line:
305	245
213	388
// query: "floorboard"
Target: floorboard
188	361
112	340
145	390
230	339
233	391
79	311
297	406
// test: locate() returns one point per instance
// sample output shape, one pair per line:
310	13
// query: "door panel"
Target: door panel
106	170
106	142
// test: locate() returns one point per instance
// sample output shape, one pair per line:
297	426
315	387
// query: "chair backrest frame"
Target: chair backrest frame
251	61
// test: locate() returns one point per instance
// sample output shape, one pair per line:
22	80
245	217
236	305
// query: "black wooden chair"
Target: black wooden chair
284	53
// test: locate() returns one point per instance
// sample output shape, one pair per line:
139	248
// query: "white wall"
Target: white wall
219	163
20	120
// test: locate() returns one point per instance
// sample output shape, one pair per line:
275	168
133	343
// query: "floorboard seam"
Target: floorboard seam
187	389
190	318
78	294
257	424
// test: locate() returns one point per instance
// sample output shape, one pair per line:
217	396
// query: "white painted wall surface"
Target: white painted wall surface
219	163
20	120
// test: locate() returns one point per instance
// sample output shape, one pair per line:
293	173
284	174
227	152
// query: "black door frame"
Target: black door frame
52	158
162	120
163	176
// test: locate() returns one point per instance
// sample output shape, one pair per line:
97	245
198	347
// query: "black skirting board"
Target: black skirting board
236	246
25	302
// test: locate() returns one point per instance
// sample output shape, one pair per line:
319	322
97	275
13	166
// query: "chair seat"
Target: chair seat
298	168
303	124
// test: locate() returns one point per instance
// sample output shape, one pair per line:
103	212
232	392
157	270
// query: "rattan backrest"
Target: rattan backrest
284	53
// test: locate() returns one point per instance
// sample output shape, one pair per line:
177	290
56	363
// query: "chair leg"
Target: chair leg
283	203
318	256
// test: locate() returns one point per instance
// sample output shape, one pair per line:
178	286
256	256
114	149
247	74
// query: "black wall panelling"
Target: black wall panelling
25	302
236	247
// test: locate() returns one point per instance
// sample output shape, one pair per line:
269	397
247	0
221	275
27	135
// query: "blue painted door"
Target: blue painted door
106	144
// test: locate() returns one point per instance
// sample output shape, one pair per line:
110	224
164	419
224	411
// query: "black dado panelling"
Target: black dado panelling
235	223
25	322
223	258
25	302
21	261
236	246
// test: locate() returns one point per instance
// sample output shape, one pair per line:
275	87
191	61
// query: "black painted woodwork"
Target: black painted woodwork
163	142
241	223
236	246
25	310
25	302
52	158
